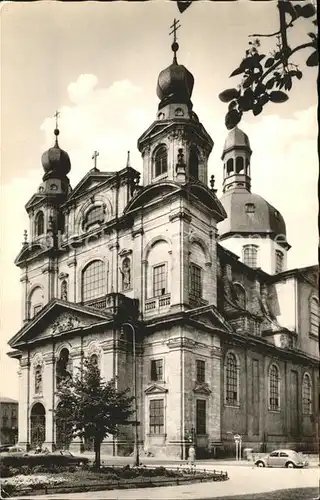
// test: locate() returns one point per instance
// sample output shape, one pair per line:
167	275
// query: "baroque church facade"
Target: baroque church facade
192	289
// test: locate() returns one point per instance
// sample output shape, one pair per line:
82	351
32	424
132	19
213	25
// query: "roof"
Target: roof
236	138
263	219
4	399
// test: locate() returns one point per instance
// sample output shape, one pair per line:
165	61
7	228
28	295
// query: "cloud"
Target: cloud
103	119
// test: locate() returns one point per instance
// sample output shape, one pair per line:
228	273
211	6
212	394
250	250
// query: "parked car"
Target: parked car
282	458
67	458
16	451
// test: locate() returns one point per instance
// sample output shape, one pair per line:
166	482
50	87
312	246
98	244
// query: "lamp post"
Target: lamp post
134	365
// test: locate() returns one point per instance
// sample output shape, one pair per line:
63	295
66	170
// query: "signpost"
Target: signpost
238	442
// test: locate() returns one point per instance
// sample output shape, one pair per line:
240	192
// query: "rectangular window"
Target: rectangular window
156	416
156	369
279	261
159	285
201	416
201	371
195	281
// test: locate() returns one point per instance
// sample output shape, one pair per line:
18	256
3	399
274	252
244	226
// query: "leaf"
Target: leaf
237	71
257	109
313	59
232	104
269	62
263	99
248	81
229	94
277	96
260	89
312	35
288	84
270	83
183	5
299	74
308	10
232	118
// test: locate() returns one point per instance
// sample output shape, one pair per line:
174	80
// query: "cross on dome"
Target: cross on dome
175	46
94	158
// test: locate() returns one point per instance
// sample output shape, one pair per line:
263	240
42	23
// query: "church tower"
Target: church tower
254	229
176	130
46	226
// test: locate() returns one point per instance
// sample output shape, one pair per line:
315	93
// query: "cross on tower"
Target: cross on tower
175	46
56	115
94	157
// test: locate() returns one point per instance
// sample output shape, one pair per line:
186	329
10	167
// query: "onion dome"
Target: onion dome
236	138
175	83
55	161
249	213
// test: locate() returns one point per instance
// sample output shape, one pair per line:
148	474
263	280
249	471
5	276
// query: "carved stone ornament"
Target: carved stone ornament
181	342
125	252
63	324
178	134
63	276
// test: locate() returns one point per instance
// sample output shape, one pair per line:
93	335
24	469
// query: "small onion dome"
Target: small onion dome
175	84
236	139
55	161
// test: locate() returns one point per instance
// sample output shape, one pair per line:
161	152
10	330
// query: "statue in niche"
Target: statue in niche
63	372
64	290
38	380
126	274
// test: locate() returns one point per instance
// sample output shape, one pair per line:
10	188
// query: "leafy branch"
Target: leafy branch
266	77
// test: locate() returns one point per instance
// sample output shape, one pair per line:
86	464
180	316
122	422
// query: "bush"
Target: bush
5	471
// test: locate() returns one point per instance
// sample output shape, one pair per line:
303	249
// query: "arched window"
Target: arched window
274	388
38	379
279	261
179	112
194	163
38	425
239	164
306	395
39	224
95	215
241	295
93	280
230	166
250	255
231	380
314	316
160	161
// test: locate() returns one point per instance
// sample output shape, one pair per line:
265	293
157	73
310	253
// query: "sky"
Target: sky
98	63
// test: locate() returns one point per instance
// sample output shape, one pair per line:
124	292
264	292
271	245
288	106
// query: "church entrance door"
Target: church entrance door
38	425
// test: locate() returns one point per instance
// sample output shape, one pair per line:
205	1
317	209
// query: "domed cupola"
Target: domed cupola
55	162
175	83
253	229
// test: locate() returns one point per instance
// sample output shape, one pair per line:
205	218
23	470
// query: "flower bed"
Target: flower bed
107	478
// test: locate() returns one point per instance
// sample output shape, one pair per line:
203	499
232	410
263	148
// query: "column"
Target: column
49	399
214	424
180	223
23	428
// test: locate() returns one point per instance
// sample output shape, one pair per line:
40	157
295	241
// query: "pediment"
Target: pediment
29	250
210	317
154	129
151	193
35	198
156	389
56	319
90	181
202	389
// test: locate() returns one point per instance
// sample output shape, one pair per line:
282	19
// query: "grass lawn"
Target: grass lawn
291	494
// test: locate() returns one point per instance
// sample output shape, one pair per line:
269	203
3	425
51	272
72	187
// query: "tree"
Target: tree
265	75
91	408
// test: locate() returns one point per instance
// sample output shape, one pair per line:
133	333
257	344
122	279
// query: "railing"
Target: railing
157	303
116	303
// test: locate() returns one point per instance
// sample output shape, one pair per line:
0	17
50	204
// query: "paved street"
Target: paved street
243	480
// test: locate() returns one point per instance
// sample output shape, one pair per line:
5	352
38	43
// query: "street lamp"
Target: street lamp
134	363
